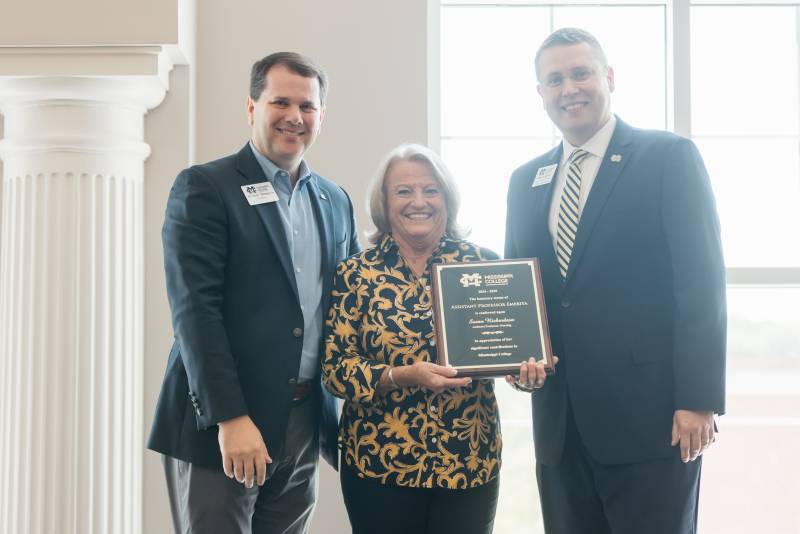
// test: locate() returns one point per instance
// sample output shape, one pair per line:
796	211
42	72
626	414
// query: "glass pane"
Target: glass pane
750	481
744	72
757	187
634	40
482	169
763	326
487	79
518	505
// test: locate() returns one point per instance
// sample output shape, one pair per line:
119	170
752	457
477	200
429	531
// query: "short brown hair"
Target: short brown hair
571	36
297	63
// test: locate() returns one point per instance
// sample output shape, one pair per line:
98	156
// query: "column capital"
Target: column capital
130	75
79	109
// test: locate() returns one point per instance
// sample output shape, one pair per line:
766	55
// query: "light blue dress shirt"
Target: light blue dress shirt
305	246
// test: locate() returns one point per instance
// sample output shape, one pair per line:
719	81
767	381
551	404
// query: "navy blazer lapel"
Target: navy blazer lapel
323	211
251	171
540	199
616	157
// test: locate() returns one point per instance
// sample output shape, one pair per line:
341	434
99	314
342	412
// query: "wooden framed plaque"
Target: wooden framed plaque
490	316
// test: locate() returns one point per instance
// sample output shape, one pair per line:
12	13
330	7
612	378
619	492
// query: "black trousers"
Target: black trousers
388	509
582	496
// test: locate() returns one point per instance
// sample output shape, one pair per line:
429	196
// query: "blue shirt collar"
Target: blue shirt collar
270	169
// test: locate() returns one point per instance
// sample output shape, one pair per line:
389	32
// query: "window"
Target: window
726	74
752	112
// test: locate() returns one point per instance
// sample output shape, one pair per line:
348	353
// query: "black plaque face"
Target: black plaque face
490	316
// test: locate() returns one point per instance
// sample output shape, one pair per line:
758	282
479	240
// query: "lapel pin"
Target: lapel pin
322	196
616	158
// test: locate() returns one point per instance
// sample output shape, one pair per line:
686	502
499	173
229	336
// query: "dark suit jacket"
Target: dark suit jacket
639	323
235	309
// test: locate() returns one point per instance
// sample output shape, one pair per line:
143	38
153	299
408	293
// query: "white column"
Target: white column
71	302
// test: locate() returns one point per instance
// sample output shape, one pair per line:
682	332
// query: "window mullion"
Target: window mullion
681	66
763	276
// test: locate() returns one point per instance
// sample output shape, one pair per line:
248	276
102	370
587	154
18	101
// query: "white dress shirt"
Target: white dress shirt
596	147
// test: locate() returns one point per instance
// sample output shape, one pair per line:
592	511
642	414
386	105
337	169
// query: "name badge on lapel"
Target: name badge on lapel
262	193
545	175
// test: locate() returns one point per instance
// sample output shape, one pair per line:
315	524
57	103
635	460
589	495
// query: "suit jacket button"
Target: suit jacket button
297	332
565	303
292	381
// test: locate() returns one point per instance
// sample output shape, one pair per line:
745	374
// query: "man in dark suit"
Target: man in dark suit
624	224
251	242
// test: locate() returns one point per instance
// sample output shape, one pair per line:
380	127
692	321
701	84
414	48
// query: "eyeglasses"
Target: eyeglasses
577	75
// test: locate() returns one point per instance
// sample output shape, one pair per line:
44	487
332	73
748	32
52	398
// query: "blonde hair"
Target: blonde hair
376	193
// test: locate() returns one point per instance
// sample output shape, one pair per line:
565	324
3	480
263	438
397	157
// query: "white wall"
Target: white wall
375	52
167	130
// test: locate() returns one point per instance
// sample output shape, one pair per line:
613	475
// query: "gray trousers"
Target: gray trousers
205	501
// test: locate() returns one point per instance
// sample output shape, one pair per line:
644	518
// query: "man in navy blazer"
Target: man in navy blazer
251	242
624	224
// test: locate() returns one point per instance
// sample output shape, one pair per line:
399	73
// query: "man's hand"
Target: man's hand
531	376
244	453
694	431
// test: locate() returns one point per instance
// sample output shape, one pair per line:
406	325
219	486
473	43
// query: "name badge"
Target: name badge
262	193
545	175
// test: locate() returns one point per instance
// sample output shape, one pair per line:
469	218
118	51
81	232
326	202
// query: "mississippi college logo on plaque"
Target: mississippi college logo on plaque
490	316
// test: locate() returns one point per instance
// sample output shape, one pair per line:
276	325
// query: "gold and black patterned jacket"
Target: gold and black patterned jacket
381	315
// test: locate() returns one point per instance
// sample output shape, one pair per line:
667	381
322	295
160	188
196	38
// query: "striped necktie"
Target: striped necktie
569	211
